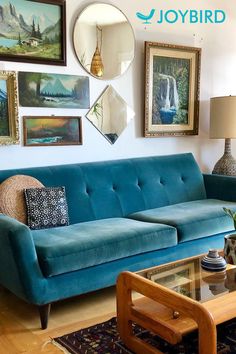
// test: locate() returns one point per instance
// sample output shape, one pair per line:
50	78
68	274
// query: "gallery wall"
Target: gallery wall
218	74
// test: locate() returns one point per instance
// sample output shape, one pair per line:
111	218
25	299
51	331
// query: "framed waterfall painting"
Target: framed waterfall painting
172	78
33	31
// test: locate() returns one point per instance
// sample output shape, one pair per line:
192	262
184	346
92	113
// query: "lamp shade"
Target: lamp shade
223	117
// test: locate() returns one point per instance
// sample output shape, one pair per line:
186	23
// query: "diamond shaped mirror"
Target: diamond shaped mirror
110	114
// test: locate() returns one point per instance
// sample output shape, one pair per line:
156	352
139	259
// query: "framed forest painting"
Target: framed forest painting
53	90
33	31
171	90
9	129
50	131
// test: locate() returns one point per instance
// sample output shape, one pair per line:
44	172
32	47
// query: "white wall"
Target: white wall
218	74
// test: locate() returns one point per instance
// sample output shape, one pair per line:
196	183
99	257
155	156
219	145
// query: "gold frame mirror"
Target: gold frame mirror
110	114
104	41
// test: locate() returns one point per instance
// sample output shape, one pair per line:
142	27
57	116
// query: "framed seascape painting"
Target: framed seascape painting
53	90
50	131
9	129
33	31
172	80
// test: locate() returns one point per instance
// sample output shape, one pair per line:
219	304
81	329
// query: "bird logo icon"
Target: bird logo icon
145	18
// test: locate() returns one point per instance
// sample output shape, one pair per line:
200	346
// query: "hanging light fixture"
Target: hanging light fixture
97	67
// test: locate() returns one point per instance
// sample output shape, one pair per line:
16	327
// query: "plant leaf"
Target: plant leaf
231	214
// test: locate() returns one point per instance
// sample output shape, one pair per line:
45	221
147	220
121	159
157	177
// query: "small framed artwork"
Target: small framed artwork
172	77
9	128
50	131
53	90
33	31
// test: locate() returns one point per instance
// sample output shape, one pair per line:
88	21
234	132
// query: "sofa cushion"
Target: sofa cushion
193	220
46	207
78	246
12	199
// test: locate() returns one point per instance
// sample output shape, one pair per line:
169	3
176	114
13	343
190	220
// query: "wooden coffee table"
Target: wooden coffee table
176	298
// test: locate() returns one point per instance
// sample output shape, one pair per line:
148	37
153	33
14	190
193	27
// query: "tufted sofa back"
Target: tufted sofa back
98	190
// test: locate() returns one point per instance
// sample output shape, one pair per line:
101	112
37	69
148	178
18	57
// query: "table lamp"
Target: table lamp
223	126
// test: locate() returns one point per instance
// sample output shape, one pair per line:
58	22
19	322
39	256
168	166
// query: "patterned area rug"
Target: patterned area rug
104	339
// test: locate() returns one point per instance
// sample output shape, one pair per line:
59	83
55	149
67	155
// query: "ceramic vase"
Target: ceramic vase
213	261
230	248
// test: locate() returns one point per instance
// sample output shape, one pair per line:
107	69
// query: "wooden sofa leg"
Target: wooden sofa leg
44	312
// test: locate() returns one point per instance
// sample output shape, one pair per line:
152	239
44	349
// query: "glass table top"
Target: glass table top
188	278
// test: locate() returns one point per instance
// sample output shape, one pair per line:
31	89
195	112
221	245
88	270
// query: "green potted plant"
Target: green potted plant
230	240
232	214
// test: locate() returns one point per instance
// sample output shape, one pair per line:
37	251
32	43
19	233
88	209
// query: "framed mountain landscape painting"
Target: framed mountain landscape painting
33	31
53	90
9	130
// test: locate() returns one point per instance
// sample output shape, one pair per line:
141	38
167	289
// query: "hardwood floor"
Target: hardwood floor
20	327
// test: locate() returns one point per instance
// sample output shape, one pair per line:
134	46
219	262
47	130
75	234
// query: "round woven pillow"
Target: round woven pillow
12	199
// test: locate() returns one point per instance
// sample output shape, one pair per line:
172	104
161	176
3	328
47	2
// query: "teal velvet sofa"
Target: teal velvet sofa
124	215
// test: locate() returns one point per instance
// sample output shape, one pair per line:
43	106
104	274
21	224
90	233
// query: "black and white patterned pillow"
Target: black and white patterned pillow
46	207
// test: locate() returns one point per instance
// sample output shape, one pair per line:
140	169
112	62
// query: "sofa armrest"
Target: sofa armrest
220	187
19	268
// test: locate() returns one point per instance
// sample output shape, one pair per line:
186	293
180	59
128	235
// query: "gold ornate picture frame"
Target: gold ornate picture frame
9	125
172	78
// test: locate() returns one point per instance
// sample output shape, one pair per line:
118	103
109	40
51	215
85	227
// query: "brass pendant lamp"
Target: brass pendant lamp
97	67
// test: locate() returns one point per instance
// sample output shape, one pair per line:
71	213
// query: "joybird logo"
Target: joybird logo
146	18
182	16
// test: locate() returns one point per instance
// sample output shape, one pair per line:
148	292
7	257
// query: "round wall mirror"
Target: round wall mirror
104	41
